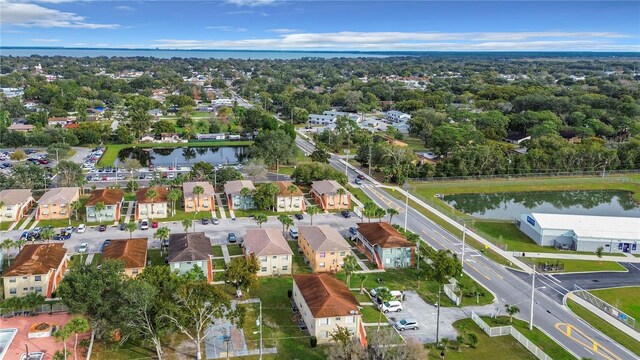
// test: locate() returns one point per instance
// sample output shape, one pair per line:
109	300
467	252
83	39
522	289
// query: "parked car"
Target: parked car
69	229
353	231
346	214
102	227
122	226
375	291
299	216
391	306
215	221
406	324
144	224
105	244
83	248
154	224
231	238
204	221
293	233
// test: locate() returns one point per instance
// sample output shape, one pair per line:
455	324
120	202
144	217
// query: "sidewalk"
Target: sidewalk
225	254
130	206
603	315
223	215
629	259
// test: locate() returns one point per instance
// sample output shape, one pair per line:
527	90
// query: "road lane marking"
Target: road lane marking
584	340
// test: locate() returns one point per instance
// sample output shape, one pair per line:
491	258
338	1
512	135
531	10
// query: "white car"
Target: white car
389	306
144	225
83	248
81	228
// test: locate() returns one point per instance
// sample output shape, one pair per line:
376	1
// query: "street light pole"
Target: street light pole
464	233
406	209
346	163
260	316
533	292
370	160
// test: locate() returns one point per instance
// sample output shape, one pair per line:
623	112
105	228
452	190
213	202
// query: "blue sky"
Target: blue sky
324	25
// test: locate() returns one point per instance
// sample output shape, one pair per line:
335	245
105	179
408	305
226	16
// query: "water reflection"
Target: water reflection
511	205
184	155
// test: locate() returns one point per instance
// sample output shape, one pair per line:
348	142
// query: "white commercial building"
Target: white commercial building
397	116
583	232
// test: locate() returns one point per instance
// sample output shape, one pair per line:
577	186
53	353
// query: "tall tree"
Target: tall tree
443	267
77	325
99	208
312	210
198	191
286	222
350	265
391	212
131	227
69	174
242	272
173	196
260	219
151	195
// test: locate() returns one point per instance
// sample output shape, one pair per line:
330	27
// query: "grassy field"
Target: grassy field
358	193
234	250
536	336
618	336
625	299
494	348
577	265
111	153
216	251
156	257
508	237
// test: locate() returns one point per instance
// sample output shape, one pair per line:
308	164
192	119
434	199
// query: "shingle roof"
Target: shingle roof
133	252
15	196
323	238
326	187
187	188
107	196
283	191
234	186
383	235
326	296
37	259
141	195
265	242
59	195
189	247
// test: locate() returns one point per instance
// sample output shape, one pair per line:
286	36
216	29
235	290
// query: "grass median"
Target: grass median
570	265
624	298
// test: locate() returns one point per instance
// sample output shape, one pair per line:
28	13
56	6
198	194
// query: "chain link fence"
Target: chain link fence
606	307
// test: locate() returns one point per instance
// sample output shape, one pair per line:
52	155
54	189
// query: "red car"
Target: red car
43	161
154	224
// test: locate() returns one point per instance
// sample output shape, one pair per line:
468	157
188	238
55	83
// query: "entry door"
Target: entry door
625	247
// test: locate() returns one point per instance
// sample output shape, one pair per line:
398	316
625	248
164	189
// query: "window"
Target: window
342	253
188	262
25	289
63	205
263	258
337	319
322	255
134	271
348	320
285	268
285	257
274	267
333	253
324	321
176	266
12	291
275	257
321	265
37	278
25	277
263	269
12	280
38	289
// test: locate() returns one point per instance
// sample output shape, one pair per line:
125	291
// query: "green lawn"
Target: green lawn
370	314
414	143
358	193
494	348
59	223
5	225
234	249
246	213
536	336
76	260
217	251
576	265
181	215
154	255
96	259
594	320
298	265
625	299
219	264
508	237
111	153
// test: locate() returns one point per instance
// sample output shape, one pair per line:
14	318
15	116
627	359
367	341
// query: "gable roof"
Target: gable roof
265	242
133	252
234	186
326	187
15	196
189	247
107	196
383	235
62	195
283	191
187	188
141	195
37	259
323	238
325	295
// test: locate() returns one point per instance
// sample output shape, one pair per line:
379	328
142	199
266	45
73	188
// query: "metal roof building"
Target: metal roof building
583	232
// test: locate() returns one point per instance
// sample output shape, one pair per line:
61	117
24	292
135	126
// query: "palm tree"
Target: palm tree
341	192
131	227
20	243
75	206
245	192
286	222
379	213
197	191
131	165
99	208
173	196
384	295
292	189
350	265
62	334
392	212
162	234
6	246
362	277
260	219
1	206
77	325
32	301
46	234
186	223
312	210
151	195
511	310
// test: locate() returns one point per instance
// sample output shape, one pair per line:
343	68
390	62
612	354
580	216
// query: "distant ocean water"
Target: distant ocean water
286	55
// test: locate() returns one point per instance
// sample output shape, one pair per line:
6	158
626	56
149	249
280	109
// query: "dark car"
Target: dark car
102	227
231	238
353	231
105	244
122	226
204	221
346	214
299	216
361	177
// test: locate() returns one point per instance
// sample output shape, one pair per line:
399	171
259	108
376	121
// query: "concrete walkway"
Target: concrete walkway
27	220
130	206
35	223
629	259
13	225
225	254
220	207
89	259
603	315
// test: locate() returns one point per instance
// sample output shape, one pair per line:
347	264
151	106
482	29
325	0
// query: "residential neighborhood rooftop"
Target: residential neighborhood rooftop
189	247
36	259
326	296
106	196
323	238
265	242
132	252
15	196
187	188
383	235
61	195
141	195
326	186
235	186
283	189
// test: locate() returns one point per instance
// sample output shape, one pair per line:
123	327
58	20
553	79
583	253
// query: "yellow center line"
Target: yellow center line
595	346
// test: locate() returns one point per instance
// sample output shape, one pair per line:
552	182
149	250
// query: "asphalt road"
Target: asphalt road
508	288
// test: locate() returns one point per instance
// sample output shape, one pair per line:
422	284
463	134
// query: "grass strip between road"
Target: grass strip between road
603	326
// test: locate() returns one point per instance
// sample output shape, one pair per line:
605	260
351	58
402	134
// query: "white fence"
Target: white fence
510	330
606	307
450	291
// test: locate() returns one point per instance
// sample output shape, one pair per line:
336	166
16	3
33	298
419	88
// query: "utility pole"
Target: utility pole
533	292
438	319
406	209
370	160
346	163
464	233
260	317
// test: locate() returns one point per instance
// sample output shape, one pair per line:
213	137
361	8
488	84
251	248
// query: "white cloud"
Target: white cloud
282	31
239	12
432	41
45	40
226	28
32	15
250	2
125	8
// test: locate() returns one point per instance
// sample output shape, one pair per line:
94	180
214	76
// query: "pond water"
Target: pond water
184	155
511	205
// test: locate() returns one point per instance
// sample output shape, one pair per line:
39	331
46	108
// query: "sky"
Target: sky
345	25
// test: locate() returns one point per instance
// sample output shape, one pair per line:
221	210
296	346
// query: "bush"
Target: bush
473	340
313	341
289	293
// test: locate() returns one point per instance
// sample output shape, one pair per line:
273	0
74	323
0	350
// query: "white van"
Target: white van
392	305
293	233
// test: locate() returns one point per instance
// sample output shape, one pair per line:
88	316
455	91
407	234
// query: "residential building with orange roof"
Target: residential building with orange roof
288	198
151	208
385	245
202	202
330	195
323	247
112	200
38	268
132	252
15	203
